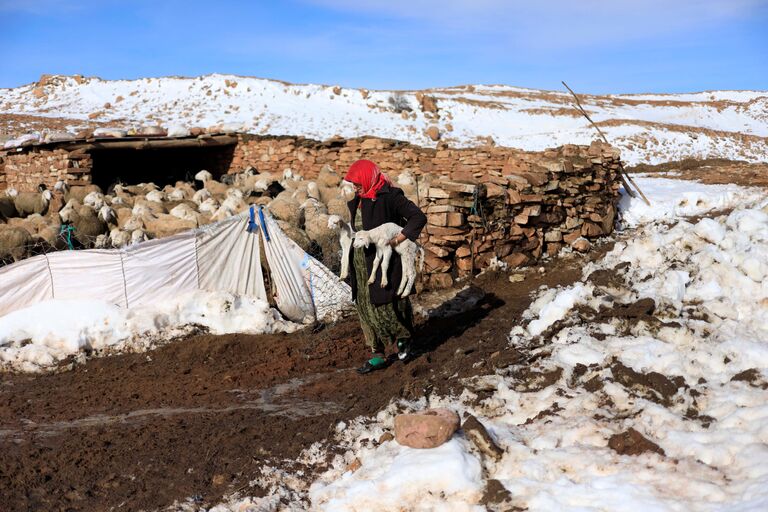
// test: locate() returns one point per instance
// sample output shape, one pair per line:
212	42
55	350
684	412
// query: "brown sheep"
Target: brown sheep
14	242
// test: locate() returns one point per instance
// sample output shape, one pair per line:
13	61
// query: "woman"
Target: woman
384	317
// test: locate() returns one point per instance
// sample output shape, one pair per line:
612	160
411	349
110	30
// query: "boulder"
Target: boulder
427	429
433	133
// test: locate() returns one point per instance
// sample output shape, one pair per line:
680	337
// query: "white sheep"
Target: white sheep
346	235
380	236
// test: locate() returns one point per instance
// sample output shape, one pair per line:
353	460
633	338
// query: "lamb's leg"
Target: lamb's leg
346	244
376	262
406	264
386	256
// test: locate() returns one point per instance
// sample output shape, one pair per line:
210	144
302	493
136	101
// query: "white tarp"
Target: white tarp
143	273
306	289
218	257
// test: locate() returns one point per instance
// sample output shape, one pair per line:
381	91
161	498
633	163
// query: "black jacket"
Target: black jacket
390	205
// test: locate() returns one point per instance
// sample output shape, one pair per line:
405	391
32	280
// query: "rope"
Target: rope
477	206
66	231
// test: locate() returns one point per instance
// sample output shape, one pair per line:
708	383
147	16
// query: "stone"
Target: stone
427	429
386	437
590	229
433	133
479	436
581	245
572	237
337	90
516	259
633	442
440	280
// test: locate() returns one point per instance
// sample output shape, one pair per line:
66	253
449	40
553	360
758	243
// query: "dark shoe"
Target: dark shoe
373	364
404	349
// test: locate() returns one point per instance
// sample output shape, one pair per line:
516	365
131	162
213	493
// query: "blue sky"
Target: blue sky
597	46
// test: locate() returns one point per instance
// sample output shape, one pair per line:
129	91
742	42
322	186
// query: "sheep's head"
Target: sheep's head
347	189
94	199
11	192
201	196
107	215
67	214
203	176
61	186
47	196
156	196
334	222
361	240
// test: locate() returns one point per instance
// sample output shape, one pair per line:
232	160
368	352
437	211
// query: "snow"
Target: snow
73	326
671	199
712	324
647	128
446	478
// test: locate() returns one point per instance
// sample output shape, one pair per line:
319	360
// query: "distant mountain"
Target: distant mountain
649	128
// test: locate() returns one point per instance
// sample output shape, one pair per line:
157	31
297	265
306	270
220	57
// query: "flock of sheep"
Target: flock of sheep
35	222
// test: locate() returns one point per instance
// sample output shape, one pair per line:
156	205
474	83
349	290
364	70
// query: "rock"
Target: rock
495	493
477	433
581	245
386	437
516	259
337	90
218	480
433	133
428	103
632	442
353	466
516	278
440	280
427	429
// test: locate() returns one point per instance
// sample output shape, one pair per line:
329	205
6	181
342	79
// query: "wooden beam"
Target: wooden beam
212	141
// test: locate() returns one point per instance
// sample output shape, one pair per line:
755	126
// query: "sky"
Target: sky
597	46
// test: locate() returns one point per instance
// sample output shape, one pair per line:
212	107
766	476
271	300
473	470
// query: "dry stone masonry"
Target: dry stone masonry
483	204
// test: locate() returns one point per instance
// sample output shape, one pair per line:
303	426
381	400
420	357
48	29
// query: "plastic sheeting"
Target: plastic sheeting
306	289
219	257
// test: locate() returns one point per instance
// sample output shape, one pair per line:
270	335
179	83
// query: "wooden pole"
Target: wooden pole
622	171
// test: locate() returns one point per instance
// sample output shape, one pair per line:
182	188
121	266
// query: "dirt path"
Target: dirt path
198	417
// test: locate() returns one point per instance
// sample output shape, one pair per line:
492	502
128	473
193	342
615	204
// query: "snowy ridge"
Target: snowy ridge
648	128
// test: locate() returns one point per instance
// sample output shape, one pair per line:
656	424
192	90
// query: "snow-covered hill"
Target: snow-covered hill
648	128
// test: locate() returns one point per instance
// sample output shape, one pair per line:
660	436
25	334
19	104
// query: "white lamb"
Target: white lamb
408	251
346	234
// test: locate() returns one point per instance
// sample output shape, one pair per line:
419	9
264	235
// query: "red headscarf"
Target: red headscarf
366	174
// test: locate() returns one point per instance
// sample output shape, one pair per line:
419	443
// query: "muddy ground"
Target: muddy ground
712	171
199	417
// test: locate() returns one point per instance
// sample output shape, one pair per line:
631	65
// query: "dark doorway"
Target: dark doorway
162	166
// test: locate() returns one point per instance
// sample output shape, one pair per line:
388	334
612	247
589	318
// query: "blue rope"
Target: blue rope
263	223
66	231
252	221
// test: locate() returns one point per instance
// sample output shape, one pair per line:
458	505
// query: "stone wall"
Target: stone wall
27	169
482	203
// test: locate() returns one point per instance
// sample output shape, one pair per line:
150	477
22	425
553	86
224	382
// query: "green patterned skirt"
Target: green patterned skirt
383	324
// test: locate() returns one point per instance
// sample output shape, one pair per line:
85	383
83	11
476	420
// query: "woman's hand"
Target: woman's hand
397	240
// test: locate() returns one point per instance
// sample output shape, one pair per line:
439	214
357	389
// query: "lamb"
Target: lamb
346	235
408	251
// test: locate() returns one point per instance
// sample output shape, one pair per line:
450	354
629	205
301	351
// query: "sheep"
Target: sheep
380	236
79	192
201	196
95	200
27	203
7	206
119	238
346	235
108	215
87	223
138	236
213	186
209	206
14	242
